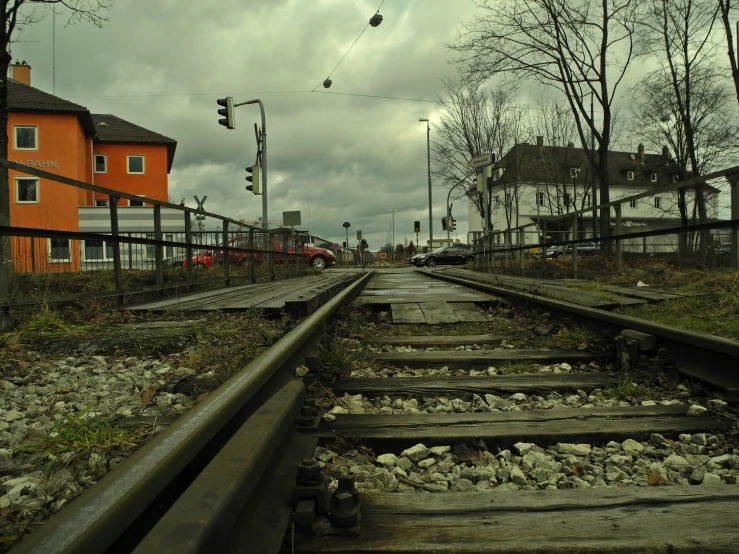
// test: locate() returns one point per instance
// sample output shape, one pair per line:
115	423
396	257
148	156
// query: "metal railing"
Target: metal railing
154	259
705	244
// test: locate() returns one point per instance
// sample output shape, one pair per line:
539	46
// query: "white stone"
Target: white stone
13	415
328	417
711	479
427	463
518	397
717	405
573	449
565	367
675	462
632	447
415	453
338	410
522	447
387	459
439	450
696	410
301	371
517	476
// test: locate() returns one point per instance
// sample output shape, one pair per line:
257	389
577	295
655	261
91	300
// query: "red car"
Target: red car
317	258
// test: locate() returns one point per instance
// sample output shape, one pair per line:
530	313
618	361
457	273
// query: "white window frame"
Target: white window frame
540	198
83	246
38	190
142	202
143	164
102	203
573	171
630	175
496	200
95	163
59	260
149	246
588	200
653	177
658	202
35	138
634	204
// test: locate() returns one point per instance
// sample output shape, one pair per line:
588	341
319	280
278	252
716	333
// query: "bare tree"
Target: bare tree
680	36
475	121
725	10
579	47
15	15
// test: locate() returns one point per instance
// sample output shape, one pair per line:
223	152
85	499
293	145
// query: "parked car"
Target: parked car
317	258
583	249
446	255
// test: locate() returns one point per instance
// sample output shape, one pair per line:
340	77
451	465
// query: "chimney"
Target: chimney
570	144
641	152
21	72
540	146
665	152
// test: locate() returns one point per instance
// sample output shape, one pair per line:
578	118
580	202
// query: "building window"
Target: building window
136	203
496	200
566	199
507	198
101	203
97	250
674	178
150	248
657	202
26	137
540	198
497	238
135	164
26	190
633	204
653	177
59	250
573	172
101	163
630	175
588	200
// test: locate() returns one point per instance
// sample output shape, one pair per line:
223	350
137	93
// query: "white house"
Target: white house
536	185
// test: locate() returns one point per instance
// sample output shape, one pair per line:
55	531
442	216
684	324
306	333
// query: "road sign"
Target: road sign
485	159
383	255
335	246
359	234
290	219
347	225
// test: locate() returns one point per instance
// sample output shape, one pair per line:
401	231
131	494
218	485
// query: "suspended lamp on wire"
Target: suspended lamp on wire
327	83
375	20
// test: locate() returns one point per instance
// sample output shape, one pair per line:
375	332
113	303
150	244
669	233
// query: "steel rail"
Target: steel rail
93	522
713	343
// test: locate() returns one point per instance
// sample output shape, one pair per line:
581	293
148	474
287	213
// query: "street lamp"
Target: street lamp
392	227
428	155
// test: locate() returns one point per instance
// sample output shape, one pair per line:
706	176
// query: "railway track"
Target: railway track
510	430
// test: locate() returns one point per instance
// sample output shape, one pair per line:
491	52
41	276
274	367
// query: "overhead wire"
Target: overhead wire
347	52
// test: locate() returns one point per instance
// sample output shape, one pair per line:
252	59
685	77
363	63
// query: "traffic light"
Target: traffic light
416	226
365	246
452	224
227	112
255	186
443	223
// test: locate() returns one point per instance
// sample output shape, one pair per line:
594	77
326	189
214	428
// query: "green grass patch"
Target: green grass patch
628	390
336	355
569	339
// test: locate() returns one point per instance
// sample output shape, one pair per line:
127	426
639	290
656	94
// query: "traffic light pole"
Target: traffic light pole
263	176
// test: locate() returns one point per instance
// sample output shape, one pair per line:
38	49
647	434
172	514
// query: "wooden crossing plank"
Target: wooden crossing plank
469	313
544	427
414	298
483	357
195	298
438	312
502	384
638	520
407	313
437	340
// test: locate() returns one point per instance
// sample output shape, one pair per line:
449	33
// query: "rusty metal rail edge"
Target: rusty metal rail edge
705	341
100	515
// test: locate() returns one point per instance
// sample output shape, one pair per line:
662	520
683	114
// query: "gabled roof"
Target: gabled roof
524	164
110	128
23	98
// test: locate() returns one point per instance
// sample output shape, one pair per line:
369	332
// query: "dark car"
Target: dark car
583	249
446	255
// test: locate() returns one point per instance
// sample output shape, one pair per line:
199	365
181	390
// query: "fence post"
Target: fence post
521	253
619	250
644	245
188	250
273	245
574	247
158	249
285	256
33	255
117	281
253	258
734	243
543	240
226	255
130	254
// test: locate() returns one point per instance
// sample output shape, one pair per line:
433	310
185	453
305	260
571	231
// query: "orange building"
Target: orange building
49	133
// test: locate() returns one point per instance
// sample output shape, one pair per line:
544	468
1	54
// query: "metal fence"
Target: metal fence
152	260
529	247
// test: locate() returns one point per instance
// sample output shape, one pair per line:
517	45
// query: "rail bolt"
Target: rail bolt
309	472
344	510
346	484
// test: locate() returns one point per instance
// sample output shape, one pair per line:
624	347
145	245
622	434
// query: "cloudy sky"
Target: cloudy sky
163	63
